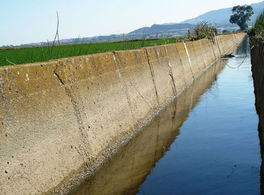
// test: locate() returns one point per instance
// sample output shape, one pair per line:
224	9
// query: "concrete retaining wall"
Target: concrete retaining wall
60	119
130	167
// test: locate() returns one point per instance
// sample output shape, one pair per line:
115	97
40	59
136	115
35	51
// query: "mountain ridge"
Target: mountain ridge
221	16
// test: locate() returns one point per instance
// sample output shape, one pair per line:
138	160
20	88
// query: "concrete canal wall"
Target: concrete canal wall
60	119
131	165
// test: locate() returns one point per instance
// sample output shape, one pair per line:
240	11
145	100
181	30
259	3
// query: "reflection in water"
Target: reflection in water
258	77
244	48
217	151
127	170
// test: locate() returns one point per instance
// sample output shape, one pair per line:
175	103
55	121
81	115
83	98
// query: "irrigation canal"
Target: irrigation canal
204	142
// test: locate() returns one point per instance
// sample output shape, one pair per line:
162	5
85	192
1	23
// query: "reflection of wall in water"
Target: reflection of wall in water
257	61
124	173
244	48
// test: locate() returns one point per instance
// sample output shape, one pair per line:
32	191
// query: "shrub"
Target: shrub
201	31
258	28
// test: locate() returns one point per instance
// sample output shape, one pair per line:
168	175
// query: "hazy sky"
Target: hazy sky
26	21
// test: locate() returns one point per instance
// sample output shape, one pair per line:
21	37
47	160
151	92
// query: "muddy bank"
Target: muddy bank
257	61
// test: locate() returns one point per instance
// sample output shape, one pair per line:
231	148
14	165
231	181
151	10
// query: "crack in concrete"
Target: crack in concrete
152	75
77	113
170	73
117	65
58	77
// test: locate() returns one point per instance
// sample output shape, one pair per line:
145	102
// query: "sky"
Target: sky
31	21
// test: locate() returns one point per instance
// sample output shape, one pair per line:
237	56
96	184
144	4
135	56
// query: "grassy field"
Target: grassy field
13	56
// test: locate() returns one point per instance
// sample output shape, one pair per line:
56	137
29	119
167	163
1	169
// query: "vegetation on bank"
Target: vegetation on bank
258	28
13	56
201	31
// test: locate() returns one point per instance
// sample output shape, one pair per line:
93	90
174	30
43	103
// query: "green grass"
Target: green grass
45	53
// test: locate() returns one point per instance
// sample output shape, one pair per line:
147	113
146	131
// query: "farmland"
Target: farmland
13	56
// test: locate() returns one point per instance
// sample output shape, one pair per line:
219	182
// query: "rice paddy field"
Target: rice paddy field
18	55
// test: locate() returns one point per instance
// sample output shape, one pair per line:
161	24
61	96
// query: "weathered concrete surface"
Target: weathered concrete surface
130	166
60	119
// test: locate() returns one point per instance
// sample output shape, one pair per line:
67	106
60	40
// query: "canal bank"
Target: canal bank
257	61
61	119
204	142
128	169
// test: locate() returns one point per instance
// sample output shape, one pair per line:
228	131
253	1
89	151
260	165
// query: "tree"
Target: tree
241	15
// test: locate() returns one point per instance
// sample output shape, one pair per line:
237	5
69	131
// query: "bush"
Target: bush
201	31
258	28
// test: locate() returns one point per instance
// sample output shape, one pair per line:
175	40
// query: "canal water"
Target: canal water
204	142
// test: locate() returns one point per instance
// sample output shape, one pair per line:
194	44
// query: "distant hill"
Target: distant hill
221	17
177	29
